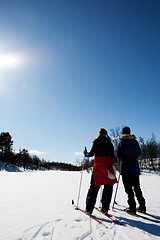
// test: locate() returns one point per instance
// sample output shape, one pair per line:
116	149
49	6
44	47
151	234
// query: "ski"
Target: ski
150	215
91	216
109	216
137	215
145	214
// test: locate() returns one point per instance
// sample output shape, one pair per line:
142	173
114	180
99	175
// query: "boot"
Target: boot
129	210
141	209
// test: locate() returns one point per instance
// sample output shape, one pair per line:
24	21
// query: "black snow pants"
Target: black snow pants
132	185
92	196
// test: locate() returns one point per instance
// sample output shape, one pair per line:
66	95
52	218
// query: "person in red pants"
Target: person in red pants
103	171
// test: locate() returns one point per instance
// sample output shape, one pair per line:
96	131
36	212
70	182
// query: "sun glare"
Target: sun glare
10	61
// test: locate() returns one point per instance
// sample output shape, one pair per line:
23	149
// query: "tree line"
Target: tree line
23	159
149	159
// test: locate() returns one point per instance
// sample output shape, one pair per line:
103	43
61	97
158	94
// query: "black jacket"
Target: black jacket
102	146
128	153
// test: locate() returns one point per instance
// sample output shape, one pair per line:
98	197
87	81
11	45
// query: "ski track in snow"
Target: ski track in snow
43	232
87	234
39	230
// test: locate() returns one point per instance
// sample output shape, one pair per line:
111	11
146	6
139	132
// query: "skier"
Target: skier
128	153
103	171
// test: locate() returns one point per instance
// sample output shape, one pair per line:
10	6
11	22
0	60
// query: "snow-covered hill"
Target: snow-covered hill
37	205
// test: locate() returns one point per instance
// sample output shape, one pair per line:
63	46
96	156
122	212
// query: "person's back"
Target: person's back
103	172
128	153
102	146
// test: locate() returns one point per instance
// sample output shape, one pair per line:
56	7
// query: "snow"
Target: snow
37	205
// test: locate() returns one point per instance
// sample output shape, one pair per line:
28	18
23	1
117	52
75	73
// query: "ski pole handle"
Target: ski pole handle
85	151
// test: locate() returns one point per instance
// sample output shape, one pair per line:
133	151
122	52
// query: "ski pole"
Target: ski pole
114	201
81	180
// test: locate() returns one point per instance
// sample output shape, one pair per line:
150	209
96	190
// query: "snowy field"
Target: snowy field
37	205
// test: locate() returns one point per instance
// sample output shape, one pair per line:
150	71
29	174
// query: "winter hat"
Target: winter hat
126	130
103	131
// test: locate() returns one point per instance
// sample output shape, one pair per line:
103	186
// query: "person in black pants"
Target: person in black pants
128	153
103	172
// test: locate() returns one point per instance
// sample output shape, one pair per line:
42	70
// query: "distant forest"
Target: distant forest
24	160
150	157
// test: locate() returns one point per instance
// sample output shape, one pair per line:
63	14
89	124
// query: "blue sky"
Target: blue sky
69	68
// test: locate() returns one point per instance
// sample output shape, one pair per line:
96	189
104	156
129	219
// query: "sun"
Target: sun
10	61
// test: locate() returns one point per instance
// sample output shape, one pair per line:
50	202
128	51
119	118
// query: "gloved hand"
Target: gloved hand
85	151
